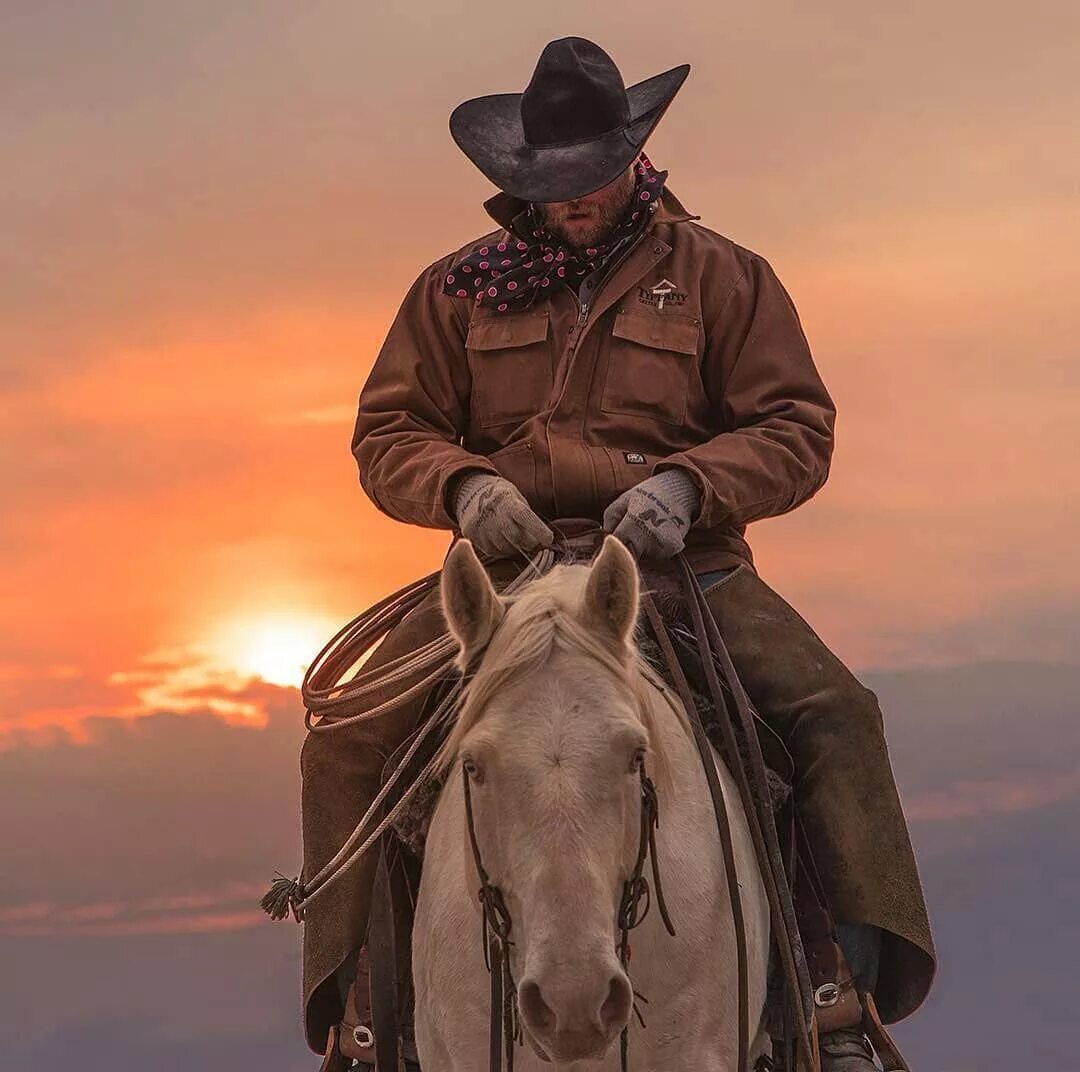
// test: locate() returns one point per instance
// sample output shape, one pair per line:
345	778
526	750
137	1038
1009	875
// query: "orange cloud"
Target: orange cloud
993	796
165	681
233	907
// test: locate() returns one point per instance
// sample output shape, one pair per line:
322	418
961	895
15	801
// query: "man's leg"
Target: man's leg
844	788
341	772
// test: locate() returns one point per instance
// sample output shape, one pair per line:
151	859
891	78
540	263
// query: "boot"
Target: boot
354	1039
847	1049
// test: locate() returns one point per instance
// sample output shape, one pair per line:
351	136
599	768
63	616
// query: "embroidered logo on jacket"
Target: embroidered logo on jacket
664	291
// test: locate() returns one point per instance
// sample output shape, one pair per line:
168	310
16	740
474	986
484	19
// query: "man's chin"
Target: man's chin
580	237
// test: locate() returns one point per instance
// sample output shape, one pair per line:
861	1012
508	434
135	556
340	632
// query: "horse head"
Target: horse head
551	735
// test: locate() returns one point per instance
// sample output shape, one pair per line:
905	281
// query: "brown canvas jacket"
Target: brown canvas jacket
576	405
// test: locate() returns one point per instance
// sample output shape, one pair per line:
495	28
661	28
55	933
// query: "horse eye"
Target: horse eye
471	769
639	761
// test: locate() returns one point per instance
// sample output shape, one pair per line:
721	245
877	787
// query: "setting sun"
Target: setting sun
276	646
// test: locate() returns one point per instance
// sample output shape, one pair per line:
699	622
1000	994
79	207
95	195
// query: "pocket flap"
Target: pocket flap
504	332
660	331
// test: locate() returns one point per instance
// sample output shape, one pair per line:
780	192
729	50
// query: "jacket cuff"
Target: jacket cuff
710	505
450	479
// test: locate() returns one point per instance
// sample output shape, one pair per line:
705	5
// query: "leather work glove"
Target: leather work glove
653	517
494	515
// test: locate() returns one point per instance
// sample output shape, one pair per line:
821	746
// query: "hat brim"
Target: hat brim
488	130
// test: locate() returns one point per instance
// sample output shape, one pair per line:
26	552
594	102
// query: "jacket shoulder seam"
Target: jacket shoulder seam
724	304
742	258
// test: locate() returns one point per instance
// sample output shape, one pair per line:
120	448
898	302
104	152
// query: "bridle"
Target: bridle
505	1023
327	695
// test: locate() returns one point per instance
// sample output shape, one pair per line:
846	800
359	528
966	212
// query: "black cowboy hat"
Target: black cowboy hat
574	129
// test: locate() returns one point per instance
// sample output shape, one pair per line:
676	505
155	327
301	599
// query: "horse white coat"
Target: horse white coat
559	713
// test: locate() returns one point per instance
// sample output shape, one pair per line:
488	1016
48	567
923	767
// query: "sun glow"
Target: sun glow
277	646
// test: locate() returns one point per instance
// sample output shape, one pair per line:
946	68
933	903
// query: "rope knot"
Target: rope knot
284	896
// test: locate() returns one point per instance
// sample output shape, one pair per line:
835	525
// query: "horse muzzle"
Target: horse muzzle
575	1016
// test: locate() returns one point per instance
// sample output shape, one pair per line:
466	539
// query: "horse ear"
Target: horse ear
611	592
471	606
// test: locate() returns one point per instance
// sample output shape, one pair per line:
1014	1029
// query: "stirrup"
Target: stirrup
336	1061
892	1060
876	1039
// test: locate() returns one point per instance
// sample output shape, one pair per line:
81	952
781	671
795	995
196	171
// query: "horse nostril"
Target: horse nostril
615	1011
535	1009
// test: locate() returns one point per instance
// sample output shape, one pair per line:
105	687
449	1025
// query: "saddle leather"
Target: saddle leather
357	1033
334	1060
891	1058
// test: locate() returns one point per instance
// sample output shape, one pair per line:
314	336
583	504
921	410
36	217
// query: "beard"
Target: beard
583	224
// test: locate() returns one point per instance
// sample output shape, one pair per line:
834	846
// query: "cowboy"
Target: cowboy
602	355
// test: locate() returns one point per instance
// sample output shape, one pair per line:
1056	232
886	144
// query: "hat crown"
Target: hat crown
576	93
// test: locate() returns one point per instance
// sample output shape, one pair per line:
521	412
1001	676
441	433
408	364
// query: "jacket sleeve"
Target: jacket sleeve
414	407
778	417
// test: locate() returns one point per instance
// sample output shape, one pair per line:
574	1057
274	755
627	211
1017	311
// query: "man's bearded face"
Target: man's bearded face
587	221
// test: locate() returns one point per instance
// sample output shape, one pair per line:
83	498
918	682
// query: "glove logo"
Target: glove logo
650	516
633	457
485	501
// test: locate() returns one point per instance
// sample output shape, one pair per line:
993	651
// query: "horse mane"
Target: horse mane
542	618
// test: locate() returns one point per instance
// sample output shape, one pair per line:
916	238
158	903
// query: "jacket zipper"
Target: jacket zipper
583	306
583	316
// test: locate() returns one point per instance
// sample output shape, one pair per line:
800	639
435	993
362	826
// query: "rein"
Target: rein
505	1023
635	888
723	824
495	930
330	693
748	768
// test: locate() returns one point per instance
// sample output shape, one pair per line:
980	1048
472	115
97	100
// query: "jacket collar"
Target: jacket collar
511	212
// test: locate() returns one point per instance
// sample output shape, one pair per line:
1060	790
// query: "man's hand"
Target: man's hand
653	517
494	515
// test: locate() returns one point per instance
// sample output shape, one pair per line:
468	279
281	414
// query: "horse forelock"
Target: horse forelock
545	617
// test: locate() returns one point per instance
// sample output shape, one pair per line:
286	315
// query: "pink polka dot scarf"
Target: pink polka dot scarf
509	275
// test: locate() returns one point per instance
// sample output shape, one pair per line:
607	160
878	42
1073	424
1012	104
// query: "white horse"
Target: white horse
552	731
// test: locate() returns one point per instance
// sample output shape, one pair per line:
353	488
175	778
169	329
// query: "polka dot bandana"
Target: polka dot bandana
510	275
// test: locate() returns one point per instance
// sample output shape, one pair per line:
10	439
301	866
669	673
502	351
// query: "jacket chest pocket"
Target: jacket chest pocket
651	360
510	362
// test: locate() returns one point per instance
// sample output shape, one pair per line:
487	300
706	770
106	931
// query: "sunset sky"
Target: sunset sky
211	212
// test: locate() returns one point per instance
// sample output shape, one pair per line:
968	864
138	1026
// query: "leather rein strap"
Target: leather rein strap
748	768
723	823
505	1027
